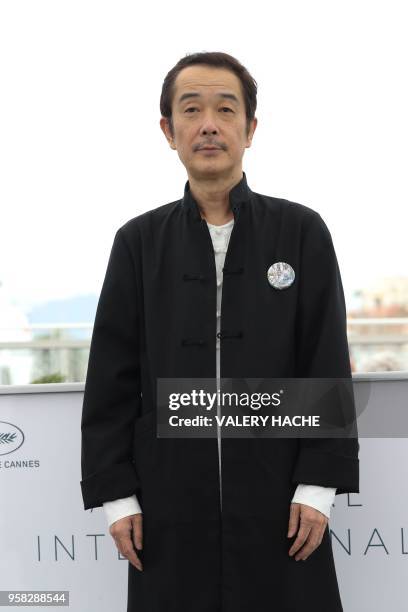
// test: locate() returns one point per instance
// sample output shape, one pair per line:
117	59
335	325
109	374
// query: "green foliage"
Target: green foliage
49	378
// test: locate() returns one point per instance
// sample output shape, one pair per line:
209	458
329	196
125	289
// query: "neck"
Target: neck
212	197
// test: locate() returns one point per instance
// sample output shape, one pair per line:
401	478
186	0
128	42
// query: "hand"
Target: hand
128	535
312	527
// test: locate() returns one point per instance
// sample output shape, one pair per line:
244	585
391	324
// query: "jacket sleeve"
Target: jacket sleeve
322	352
112	397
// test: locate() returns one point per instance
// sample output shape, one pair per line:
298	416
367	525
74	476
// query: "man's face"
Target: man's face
208	118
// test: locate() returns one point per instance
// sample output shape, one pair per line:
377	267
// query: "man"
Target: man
224	520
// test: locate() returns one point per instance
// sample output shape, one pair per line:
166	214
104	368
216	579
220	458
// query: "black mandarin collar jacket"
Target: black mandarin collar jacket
156	317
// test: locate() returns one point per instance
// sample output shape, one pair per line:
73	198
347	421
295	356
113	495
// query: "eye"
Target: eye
191	108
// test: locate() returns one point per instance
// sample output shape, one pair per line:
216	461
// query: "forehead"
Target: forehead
207	81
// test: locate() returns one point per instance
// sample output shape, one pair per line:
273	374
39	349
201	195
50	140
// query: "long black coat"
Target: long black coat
156	318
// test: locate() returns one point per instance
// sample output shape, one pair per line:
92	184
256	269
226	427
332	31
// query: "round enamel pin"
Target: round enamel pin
281	275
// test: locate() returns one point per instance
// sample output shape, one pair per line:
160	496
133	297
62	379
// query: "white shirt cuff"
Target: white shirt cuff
316	496
119	508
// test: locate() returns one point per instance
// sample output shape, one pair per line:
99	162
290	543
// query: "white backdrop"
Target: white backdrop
48	542
80	135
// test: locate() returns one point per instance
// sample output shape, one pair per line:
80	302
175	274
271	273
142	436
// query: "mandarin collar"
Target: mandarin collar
239	195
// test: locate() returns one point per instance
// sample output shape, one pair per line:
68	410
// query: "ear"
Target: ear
252	129
164	125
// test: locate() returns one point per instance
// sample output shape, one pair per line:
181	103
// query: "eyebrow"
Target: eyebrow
228	96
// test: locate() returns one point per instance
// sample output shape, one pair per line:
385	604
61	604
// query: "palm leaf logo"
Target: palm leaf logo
6	437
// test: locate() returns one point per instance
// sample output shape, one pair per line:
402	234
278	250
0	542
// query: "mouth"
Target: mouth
209	149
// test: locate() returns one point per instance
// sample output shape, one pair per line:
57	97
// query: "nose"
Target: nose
209	126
